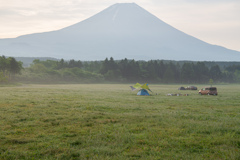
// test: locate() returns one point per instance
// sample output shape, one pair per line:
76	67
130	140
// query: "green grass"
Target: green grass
110	122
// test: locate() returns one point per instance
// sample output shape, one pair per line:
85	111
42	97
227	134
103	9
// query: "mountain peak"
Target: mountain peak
125	4
123	30
120	17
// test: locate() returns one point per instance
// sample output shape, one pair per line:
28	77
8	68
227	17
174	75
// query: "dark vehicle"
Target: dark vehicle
181	88
191	88
208	91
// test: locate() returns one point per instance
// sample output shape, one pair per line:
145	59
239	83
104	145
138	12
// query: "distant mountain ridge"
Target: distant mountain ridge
124	30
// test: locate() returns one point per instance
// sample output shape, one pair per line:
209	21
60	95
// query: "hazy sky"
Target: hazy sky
213	21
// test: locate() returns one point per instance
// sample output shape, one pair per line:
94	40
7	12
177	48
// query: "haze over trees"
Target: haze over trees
9	67
119	71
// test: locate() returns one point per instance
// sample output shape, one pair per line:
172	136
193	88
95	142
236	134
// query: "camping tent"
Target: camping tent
143	92
143	89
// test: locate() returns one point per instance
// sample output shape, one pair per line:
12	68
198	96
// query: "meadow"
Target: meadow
109	121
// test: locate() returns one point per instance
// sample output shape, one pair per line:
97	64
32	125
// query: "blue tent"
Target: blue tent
143	92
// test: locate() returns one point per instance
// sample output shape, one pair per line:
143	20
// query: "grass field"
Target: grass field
109	121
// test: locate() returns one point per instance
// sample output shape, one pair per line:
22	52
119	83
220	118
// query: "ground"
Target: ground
109	121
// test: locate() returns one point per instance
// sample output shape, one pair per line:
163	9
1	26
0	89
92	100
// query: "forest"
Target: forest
9	67
117	71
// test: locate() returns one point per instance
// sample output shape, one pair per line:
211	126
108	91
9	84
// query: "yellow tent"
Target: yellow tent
137	86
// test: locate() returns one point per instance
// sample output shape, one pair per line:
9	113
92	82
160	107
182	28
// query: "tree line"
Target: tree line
122	71
9	67
160	72
128	71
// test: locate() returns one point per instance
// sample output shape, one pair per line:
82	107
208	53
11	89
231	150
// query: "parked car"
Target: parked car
208	91
181	88
191	88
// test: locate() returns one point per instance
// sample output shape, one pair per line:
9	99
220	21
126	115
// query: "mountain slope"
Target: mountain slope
120	31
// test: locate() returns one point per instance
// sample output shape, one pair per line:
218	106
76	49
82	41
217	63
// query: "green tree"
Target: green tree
38	68
72	63
210	82
133	71
169	76
161	69
14	67
3	64
187	73
61	64
104	66
151	68
201	72
3	77
237	76
215	73
112	65
123	67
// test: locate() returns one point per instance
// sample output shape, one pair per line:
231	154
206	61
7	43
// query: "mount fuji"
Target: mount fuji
124	30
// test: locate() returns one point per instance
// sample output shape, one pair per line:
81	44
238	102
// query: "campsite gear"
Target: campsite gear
143	89
133	89
181	88
177	94
191	88
137	85
143	92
